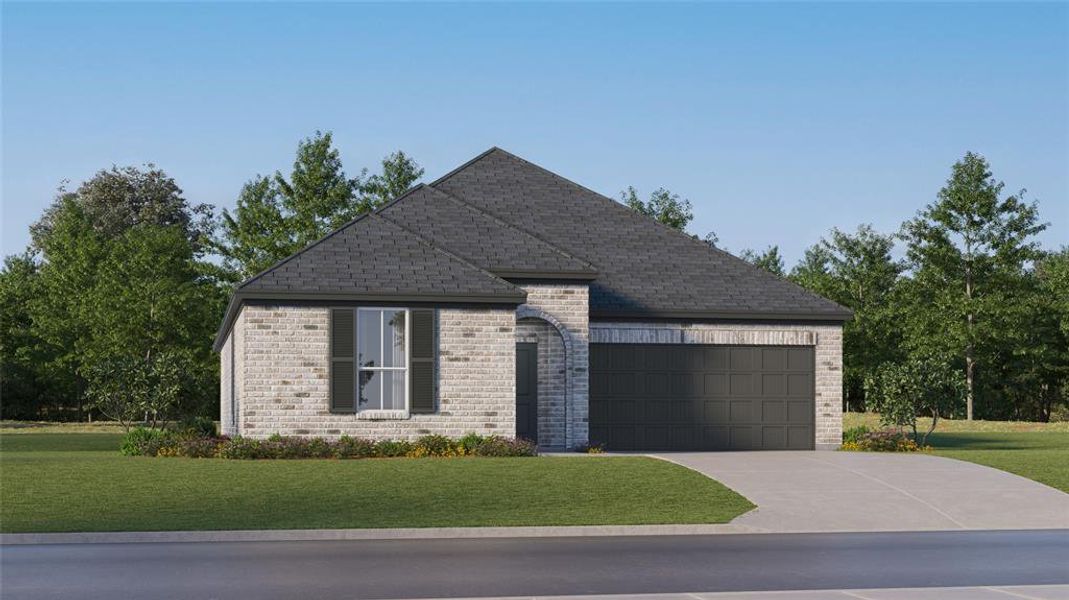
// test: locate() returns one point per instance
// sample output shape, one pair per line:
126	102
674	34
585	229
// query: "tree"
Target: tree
115	200
149	301
769	260
399	172
663	206
277	216
920	386
966	253
857	271
115	266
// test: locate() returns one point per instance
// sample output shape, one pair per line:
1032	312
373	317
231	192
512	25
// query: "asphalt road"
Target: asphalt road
533	566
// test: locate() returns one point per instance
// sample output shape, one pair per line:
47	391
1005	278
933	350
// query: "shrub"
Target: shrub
196	427
496	445
392	448
241	448
142	441
434	445
469	443
885	440
854	434
156	442
920	386
590	449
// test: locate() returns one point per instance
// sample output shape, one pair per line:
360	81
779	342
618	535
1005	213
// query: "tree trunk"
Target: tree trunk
969	362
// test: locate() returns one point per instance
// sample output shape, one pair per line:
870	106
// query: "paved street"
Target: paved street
534	567
874	491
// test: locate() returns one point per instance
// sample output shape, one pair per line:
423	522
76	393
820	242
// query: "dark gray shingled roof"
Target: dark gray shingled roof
372	256
480	238
501	216
645	269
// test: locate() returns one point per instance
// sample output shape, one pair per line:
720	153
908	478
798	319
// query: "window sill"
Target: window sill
382	415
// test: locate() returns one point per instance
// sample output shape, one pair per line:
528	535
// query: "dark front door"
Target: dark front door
691	397
527	391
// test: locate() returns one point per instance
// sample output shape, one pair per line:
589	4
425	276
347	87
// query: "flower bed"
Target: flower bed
169	443
862	439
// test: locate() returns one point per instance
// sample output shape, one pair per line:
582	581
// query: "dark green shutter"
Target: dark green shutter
422	361
342	366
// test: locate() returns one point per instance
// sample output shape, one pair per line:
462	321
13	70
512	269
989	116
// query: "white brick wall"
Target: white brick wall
827	340
566	307
284	364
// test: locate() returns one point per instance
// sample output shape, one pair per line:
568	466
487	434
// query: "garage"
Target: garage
701	397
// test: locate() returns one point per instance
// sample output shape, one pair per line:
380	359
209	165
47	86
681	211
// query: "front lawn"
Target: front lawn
1038	451
79	482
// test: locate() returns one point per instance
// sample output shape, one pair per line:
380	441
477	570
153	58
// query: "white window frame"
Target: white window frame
384	412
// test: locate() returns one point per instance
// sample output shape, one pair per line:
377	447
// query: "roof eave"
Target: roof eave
809	317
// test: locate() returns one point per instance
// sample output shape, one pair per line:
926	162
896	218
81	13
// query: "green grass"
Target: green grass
1038	451
79	482
1040	456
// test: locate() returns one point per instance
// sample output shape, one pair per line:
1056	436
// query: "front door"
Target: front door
527	391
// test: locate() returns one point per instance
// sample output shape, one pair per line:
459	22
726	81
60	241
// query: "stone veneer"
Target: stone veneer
281	364
826	339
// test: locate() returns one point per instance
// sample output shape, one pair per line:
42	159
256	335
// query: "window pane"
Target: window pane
369	338
394	342
393	394
370	390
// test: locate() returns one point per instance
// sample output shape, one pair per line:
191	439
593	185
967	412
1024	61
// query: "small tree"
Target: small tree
128	389
920	386
663	206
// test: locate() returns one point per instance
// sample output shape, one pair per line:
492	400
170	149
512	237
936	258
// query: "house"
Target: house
504	299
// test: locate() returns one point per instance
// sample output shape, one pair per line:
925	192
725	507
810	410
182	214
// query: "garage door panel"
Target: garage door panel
800	359
701	397
773	411
773	384
800	384
774	359
773	438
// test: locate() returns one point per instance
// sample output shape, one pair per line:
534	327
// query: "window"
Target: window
382	358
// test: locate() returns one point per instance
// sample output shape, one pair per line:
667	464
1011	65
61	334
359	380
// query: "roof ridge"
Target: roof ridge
505	223
445	251
634	213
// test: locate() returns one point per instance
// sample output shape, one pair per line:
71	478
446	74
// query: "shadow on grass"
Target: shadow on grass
999	441
67	442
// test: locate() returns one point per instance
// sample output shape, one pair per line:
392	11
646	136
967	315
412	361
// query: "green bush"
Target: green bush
885	440
854	434
196	427
155	442
496	445
143	441
434	445
392	448
350	447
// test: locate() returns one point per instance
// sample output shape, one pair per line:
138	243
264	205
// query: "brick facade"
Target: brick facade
556	316
826	339
282	368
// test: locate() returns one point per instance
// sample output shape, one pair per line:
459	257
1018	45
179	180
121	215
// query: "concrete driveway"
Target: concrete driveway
856	491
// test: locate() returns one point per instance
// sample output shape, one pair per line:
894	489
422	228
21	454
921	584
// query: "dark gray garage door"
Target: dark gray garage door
691	397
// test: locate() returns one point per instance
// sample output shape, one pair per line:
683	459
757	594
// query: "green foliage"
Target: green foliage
769	260
967	253
127	388
857	271
196	426
663	206
180	442
919	386
277	216
114	278
143	441
885	440
854	434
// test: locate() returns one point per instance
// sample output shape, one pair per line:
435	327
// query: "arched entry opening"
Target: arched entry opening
543	386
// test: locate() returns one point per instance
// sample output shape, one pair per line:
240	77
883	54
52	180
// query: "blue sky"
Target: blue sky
778	121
